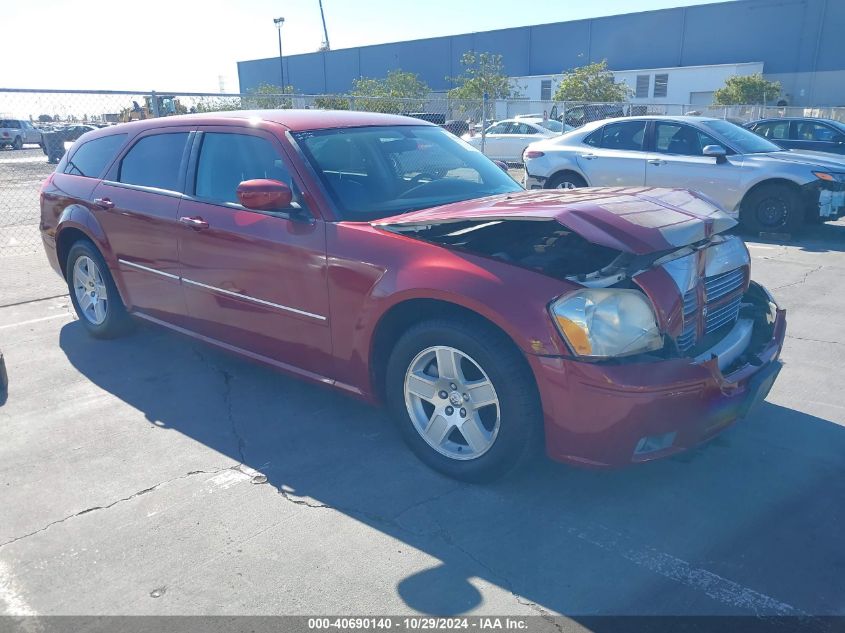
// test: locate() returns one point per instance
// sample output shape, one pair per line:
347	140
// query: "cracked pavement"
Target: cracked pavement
154	475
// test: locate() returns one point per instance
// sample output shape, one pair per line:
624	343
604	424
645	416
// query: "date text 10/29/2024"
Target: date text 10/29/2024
479	623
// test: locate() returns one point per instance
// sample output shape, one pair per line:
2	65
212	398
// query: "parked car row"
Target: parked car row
761	184
382	256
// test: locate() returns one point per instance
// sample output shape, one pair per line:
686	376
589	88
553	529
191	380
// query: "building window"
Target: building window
661	85
643	82
546	90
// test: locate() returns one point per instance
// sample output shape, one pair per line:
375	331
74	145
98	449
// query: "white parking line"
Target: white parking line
46	318
725	591
11	602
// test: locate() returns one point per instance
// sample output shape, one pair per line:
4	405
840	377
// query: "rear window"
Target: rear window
11	124
154	161
94	156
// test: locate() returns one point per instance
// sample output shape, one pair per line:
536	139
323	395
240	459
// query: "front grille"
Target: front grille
719	311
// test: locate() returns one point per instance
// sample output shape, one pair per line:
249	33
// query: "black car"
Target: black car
821	135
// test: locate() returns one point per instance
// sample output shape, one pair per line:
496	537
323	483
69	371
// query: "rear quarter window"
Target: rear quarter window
92	157
154	161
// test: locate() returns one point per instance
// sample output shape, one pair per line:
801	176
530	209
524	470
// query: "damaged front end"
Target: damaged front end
825	198
653	275
670	341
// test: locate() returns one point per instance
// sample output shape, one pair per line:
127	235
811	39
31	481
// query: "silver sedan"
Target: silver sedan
766	187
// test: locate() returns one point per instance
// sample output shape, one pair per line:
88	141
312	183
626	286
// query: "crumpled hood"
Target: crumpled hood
809	158
638	220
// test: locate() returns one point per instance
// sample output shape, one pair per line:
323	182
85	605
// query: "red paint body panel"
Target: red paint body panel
308	296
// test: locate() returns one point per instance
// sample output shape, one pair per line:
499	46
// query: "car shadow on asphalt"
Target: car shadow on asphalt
745	524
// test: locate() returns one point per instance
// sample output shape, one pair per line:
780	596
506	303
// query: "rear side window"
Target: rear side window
8	123
626	135
226	160
776	130
154	161
93	156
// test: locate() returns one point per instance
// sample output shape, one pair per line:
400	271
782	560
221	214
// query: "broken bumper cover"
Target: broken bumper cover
533	182
612	415
828	198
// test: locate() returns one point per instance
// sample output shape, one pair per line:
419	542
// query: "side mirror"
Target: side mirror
715	150
264	195
501	165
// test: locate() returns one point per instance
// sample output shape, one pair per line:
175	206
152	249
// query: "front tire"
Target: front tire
566	180
773	208
464	399
93	292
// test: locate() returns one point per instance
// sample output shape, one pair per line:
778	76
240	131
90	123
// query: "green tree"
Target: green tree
269	97
747	89
331	102
482	72
391	94
593	82
218	104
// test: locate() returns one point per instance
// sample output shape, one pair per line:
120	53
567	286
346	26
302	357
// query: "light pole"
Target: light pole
279	22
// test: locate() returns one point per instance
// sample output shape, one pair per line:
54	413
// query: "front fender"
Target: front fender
371	271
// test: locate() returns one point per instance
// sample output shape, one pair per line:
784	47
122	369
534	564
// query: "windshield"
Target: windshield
742	140
551	124
376	172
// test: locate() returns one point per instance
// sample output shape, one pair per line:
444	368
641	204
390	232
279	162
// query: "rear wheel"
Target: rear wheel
93	292
772	208
18	143
464	399
565	180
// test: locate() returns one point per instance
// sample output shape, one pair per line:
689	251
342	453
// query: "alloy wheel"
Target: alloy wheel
452	403
90	290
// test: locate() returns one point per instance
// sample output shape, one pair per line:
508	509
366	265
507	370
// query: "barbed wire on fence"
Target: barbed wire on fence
44	123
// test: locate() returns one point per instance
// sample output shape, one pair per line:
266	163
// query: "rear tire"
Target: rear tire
93	292
450	428
773	208
18	144
565	180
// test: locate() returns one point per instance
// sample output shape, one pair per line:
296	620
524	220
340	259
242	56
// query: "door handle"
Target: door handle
194	222
657	161
589	156
104	203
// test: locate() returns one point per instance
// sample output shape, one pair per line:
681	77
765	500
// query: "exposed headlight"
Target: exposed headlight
829	176
605	322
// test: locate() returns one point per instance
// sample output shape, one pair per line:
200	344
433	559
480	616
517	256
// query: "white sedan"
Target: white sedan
506	140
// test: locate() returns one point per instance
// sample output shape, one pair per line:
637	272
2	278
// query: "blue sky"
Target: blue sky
189	45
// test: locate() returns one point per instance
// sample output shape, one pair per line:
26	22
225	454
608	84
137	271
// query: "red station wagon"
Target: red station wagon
383	256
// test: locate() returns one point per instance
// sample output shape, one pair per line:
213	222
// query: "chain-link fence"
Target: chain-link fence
36	128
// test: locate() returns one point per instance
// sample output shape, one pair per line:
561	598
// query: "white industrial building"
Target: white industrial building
678	85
